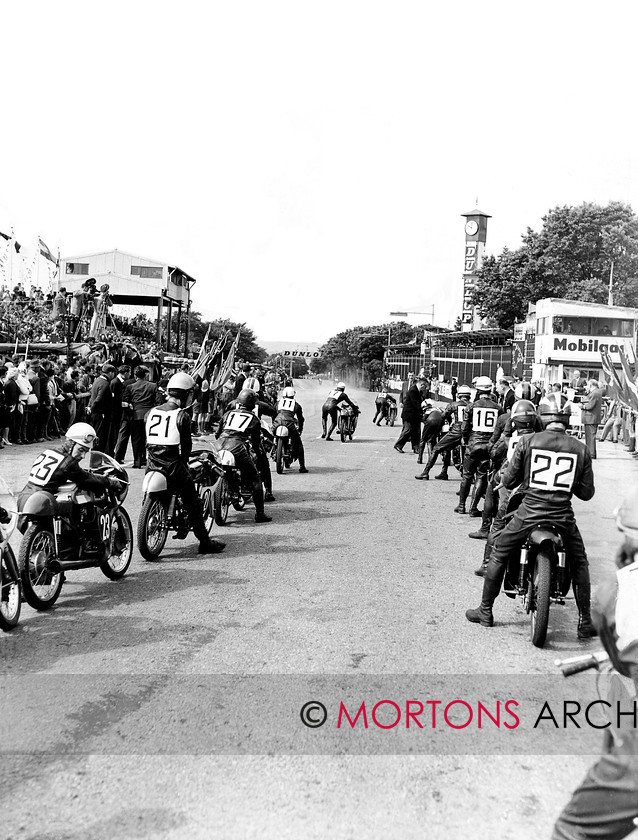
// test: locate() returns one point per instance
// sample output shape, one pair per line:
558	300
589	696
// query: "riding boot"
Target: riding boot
582	593
483	614
480	486
464	492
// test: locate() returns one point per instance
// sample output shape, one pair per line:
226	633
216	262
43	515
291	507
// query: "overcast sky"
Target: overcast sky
308	162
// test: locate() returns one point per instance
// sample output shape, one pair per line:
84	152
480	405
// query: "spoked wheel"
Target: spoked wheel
152	528
40	586
342	432
10	597
116	564
221	501
209	513
280	456
538	594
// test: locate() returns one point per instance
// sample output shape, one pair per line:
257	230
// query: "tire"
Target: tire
116	565
40	588
342	432
10	598
280	456
208	509
153	523
221	501
540	588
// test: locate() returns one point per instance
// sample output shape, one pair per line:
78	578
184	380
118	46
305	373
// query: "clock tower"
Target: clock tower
475	236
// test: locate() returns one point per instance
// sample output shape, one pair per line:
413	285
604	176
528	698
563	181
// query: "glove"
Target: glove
114	484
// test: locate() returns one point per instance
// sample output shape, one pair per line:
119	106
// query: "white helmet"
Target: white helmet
483	383
288	392
180	382
81	433
340	386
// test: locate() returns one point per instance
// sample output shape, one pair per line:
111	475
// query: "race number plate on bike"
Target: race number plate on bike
161	427
286	404
484	419
238	421
553	472
44	466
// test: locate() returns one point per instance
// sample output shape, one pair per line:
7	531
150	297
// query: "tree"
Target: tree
353	349
570	257
299	364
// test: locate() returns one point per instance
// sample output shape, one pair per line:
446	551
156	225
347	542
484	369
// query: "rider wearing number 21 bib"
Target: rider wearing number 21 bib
549	467
169	444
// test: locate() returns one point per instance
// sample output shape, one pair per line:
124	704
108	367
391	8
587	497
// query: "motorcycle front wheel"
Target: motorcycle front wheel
117	563
280	456
221	501
152	528
10	597
209	514
342	432
540	588
40	587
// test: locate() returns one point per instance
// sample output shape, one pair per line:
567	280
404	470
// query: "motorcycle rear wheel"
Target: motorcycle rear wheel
40	588
280	456
152	528
10	597
221	501
209	513
539	589
116	565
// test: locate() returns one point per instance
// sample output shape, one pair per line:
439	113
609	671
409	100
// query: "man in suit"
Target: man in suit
100	407
142	395
411	416
506	395
591	408
117	390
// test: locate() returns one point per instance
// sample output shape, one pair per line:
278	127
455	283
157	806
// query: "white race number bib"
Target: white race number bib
161	428
238	421
484	419
286	404
553	472
44	466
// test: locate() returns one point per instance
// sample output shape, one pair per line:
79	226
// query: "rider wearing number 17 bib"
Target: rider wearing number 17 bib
479	424
550	467
169	444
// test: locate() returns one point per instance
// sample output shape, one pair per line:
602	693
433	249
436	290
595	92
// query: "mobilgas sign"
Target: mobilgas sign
579	348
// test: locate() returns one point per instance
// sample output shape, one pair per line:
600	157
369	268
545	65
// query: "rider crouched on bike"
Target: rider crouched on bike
290	415
454	414
169	444
330	407
238	432
549	467
382	404
60	464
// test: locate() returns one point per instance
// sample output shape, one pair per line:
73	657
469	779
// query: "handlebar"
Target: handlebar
578	664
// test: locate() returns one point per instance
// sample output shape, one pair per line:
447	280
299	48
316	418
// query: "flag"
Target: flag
628	379
227	367
46	252
614	381
9	237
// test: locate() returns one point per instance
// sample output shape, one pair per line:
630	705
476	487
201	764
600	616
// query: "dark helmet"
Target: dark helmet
524	391
247	398
523	414
555	408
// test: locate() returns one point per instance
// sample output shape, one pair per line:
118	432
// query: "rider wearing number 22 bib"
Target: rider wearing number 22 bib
169	444
549	467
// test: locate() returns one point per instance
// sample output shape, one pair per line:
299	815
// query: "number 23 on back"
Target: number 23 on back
552	471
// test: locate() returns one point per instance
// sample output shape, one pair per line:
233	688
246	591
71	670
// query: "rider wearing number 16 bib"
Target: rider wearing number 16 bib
169	444
550	467
479	424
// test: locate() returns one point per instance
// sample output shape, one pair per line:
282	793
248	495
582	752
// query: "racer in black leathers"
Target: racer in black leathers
549	467
433	420
330	407
240	433
382	403
60	464
169	443
456	412
480	422
290	415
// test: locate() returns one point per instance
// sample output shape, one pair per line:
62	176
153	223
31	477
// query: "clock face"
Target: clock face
471	227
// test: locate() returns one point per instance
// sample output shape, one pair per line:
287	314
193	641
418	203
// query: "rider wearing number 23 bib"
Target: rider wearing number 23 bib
169	444
550	467
479	424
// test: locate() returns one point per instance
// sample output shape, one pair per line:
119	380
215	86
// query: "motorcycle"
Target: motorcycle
391	416
230	490
347	422
73	529
162	508
282	452
540	574
10	595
